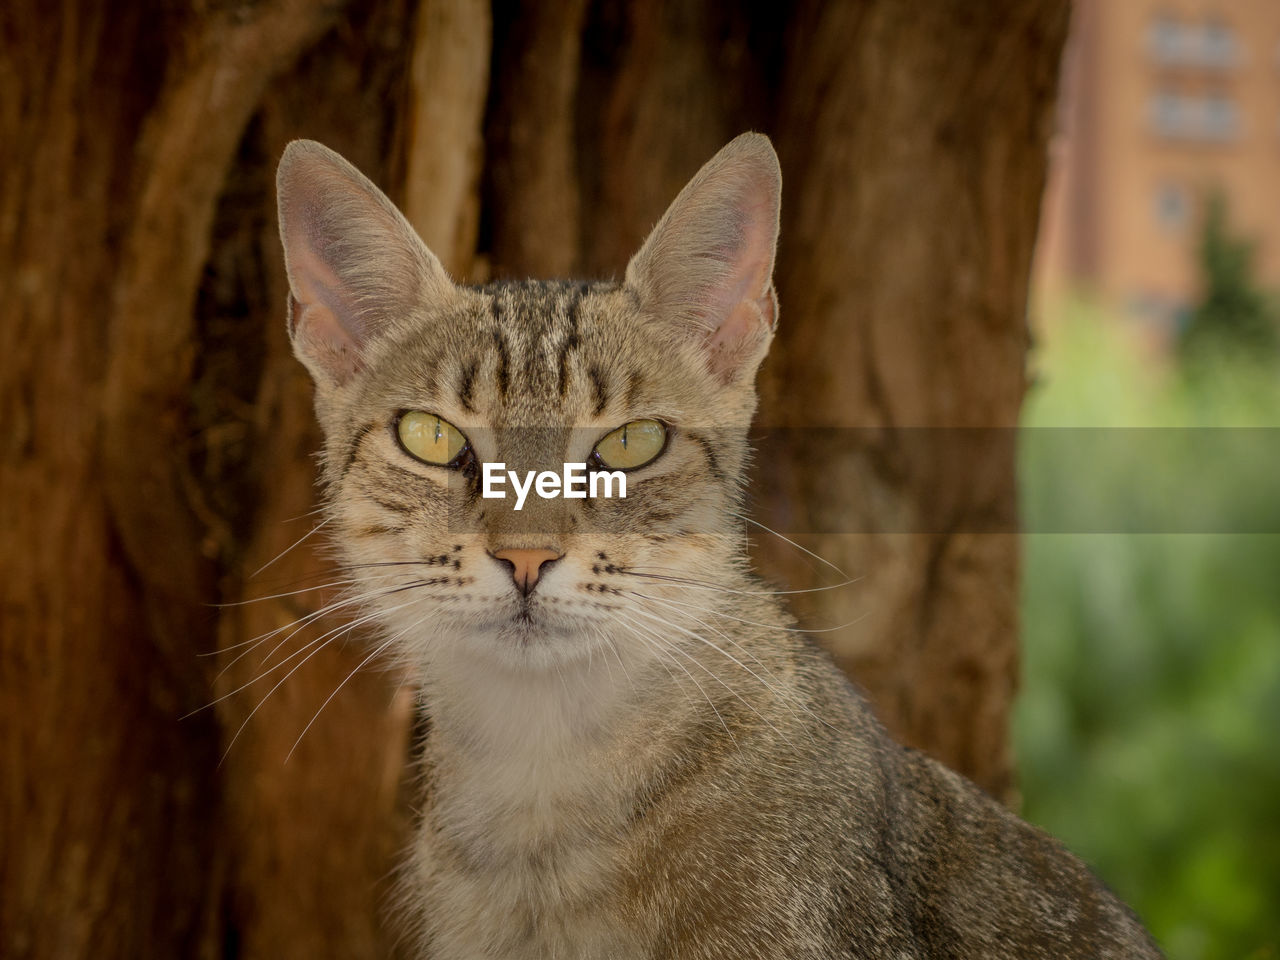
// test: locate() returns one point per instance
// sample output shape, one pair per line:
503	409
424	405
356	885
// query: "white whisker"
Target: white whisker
322	640
651	637
754	623
294	544
820	559
287	593
376	650
788	698
301	622
679	649
717	588
342	632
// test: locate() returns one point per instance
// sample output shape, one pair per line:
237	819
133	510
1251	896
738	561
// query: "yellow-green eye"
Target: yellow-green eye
632	445
429	438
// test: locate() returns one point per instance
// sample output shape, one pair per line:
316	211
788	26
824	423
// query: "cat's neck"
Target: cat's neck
490	709
518	757
503	733
549	766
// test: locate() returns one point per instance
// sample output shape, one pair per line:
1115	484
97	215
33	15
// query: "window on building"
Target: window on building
1177	116
1166	114
1172	206
1212	43
1165	39
1218	46
1220	118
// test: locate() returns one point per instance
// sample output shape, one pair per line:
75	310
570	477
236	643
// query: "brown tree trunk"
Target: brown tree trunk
117	126
157	438
314	737
904	282
531	187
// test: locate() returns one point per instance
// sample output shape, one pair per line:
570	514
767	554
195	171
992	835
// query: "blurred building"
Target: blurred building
1162	103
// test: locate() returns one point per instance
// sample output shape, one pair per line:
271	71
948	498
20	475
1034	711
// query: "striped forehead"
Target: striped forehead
533	351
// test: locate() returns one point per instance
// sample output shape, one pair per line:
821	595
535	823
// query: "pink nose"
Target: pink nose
526	565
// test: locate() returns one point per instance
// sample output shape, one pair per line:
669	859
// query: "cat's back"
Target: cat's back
976	881
799	828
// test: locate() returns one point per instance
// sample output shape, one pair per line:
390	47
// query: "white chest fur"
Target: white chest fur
523	836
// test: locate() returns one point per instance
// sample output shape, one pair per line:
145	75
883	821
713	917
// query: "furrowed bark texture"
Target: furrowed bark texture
315	746
158	435
530	190
916	136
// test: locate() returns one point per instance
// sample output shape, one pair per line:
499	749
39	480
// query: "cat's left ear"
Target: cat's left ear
707	267
356	267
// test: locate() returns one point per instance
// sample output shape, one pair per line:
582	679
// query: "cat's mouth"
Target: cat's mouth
531	624
525	623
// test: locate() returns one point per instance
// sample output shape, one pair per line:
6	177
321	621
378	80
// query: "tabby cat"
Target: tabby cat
632	752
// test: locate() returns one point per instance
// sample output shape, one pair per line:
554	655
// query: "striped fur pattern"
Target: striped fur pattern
643	758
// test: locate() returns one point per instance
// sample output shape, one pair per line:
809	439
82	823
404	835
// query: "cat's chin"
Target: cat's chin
529	637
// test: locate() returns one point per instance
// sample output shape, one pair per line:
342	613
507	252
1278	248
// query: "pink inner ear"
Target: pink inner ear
315	284
747	324
737	326
324	343
747	309
325	334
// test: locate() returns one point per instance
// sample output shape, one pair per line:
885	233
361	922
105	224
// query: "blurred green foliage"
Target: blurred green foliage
1147	726
1234	316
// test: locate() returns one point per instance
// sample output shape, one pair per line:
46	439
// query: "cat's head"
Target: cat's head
421	382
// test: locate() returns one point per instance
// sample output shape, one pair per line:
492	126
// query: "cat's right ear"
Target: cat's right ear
355	264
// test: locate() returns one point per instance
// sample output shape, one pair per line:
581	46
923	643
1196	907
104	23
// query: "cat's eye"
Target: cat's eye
632	445
430	439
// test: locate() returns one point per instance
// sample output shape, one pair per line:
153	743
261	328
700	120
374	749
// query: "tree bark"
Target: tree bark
531	194
314	735
445	127
112	809
917	137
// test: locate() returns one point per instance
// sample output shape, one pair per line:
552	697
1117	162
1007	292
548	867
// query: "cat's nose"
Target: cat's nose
527	564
